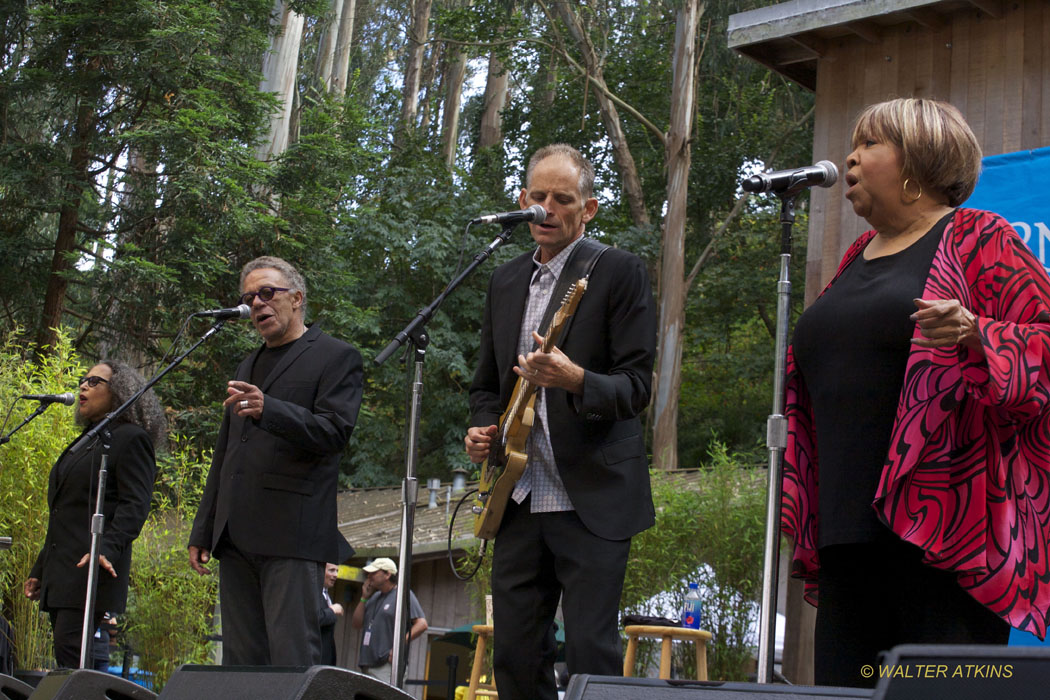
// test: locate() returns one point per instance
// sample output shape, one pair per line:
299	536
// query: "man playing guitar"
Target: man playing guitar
584	492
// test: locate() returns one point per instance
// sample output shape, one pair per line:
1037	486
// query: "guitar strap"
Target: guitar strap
581	261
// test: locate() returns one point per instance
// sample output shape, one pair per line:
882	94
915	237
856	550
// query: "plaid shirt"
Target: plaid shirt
541	477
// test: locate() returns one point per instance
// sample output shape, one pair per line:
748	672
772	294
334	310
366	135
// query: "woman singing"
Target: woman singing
59	576
916	472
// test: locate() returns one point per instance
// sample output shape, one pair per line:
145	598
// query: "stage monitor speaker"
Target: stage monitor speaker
958	672
586	687
13	689
82	684
191	682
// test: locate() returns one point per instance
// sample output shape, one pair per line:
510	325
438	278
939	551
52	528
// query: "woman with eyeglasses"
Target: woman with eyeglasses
58	579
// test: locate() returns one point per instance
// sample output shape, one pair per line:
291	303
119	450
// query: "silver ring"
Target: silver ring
244	403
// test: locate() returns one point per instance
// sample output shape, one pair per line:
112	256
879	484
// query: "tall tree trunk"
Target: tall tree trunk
632	184
455	72
341	56
428	83
416	41
326	47
280	65
672	264
550	89
493	102
68	219
126	324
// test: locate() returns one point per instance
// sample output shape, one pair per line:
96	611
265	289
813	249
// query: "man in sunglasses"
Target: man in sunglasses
268	511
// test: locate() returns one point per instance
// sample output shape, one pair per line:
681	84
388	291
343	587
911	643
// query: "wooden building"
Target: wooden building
990	58
370	519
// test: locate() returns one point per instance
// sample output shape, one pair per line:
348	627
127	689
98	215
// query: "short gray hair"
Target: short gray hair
583	166
287	270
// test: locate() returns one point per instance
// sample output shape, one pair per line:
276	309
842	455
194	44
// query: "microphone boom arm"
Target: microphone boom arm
39	409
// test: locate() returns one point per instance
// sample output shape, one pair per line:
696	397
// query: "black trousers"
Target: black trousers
536	559
270	614
874	596
67	625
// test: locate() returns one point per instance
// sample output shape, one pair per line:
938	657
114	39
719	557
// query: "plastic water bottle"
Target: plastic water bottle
691	607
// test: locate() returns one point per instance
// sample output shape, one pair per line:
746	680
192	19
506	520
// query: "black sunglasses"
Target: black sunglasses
92	381
264	293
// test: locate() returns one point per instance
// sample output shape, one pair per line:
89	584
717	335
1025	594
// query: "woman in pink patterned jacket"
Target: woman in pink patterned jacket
917	472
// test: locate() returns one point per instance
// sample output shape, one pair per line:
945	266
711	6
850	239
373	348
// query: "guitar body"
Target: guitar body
507	458
498	481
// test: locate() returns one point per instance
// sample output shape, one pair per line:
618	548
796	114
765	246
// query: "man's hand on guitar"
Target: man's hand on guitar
550	369
478	442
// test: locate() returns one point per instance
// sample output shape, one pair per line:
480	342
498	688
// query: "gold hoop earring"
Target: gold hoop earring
904	191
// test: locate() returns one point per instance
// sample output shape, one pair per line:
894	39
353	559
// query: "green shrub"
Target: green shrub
170	607
710	531
27	461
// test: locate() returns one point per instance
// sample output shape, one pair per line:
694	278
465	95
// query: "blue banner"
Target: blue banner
1014	186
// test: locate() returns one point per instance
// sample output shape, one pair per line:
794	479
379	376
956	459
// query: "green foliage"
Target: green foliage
710	532
27	461
172	200
728	355
170	606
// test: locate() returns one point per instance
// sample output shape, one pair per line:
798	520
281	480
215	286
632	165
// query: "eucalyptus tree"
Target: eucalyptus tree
638	85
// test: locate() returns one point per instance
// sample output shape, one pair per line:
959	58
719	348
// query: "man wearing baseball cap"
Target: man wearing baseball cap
375	615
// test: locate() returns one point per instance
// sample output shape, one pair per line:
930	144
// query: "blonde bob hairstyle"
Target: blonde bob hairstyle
938	149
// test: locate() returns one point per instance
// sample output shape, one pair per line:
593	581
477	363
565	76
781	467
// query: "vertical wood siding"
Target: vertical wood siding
995	70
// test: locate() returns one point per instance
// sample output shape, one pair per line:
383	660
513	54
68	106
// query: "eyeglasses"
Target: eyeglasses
92	381
264	293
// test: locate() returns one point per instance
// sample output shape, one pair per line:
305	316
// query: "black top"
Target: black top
71	493
851	346
267	360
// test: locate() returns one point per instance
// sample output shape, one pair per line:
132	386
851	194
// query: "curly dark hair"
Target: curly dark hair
147	413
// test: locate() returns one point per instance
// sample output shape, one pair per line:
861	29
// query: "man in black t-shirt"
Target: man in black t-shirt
268	511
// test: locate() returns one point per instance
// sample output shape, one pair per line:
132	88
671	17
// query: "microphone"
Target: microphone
66	398
823	174
536	213
240	311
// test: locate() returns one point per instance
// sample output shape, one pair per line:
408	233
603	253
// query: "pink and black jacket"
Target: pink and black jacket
967	472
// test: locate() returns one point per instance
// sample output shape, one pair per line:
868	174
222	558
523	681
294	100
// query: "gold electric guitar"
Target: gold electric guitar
506	461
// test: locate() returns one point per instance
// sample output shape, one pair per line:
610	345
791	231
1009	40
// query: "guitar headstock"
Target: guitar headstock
564	312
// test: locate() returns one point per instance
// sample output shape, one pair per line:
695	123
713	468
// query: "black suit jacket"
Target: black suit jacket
328	620
597	437
273	482
71	491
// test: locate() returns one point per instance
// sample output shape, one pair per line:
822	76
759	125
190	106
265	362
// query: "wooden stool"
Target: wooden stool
666	634
477	689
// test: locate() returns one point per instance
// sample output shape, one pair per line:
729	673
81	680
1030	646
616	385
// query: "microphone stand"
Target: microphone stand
39	409
97	520
415	333
776	441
